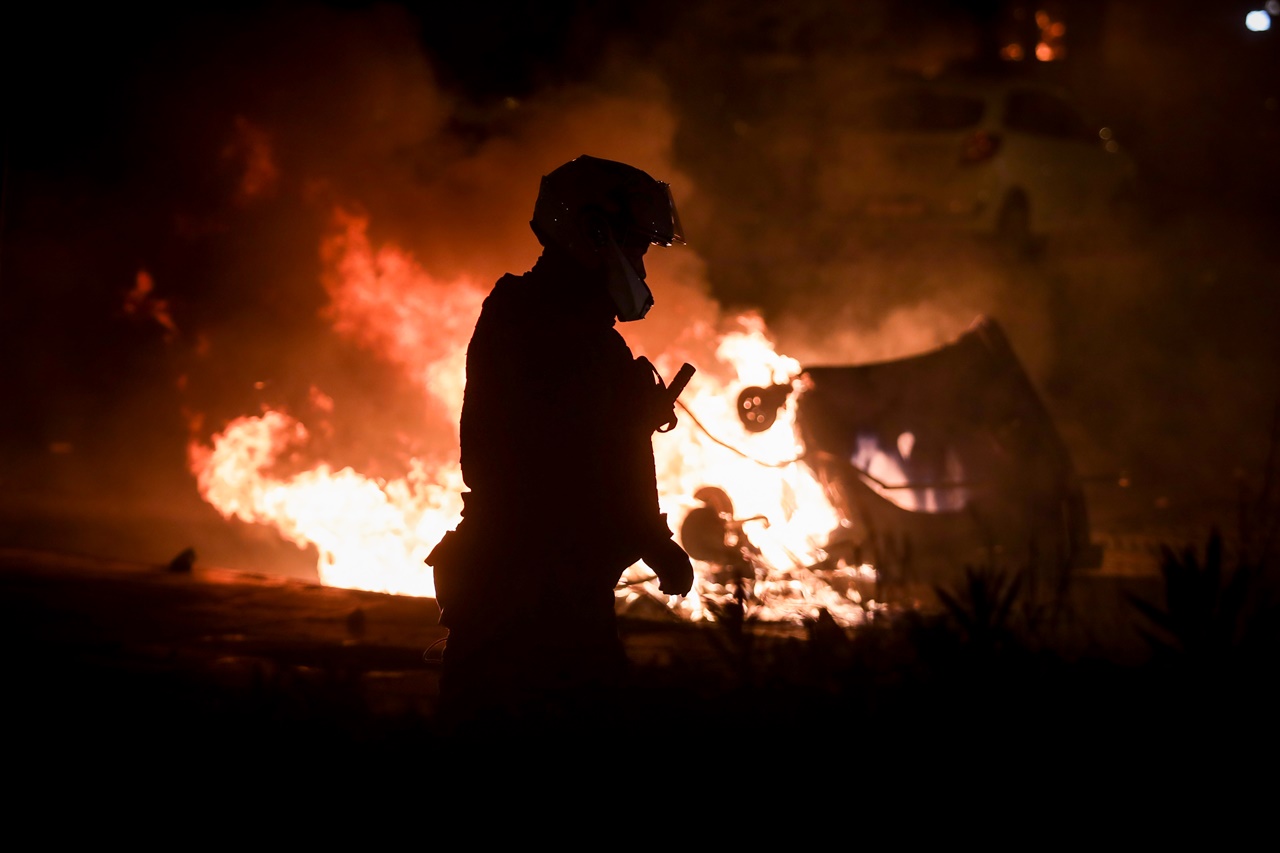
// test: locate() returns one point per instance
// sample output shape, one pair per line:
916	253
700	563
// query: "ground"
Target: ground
193	667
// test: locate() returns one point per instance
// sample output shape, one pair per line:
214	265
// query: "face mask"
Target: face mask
631	296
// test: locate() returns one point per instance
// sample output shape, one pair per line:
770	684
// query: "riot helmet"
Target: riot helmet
592	208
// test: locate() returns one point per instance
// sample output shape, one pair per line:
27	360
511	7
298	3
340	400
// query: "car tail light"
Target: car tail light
979	147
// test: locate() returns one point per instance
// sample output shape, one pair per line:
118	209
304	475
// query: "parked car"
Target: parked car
1009	157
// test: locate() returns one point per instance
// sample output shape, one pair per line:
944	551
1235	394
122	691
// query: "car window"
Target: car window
1043	114
923	110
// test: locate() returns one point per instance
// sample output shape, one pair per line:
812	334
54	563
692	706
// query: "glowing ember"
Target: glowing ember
141	302
374	534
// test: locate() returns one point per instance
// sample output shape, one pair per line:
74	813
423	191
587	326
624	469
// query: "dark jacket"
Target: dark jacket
556	435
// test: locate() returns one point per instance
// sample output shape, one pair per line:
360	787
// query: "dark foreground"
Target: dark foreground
120	671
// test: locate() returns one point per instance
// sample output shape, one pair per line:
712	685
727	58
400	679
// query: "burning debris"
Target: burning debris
141	303
946	459
374	534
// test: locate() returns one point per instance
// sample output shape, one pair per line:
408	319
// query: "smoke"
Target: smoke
324	111
248	137
1148	348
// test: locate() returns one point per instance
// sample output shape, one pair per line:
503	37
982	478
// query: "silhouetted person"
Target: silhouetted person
556	435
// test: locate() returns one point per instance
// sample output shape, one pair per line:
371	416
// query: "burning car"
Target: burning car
934	462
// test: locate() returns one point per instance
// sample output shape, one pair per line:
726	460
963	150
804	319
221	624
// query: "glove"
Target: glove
657	406
669	561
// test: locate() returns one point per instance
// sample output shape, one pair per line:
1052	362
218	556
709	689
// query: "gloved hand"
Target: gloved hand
656	405
669	561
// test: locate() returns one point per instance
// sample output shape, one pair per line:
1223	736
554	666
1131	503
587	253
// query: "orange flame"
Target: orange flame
370	534
386	302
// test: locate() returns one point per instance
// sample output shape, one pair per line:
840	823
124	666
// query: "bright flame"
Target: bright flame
793	514
374	534
370	534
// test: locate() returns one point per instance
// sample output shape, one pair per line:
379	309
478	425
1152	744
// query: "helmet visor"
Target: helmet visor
654	216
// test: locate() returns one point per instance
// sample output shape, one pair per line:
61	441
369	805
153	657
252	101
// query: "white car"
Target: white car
1005	157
